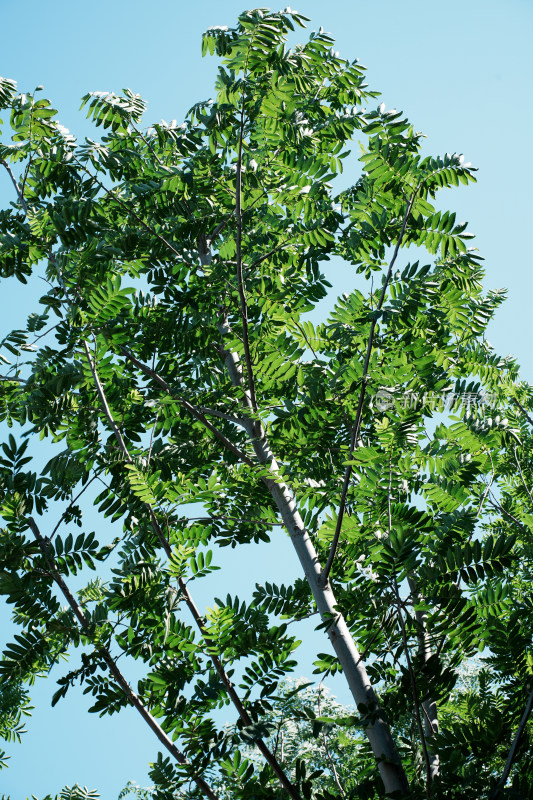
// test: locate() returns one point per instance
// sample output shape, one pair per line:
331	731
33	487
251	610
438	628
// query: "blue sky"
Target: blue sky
462	74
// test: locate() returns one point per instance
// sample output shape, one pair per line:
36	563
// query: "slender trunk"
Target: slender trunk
378	731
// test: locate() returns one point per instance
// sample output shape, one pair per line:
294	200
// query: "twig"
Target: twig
129	210
412	678
74	500
218	229
506	513
310	346
268	254
485	494
152	433
268	523
358	417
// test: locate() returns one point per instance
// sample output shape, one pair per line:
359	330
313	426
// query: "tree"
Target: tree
307	724
173	362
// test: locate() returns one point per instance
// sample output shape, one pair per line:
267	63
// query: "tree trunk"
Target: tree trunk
377	729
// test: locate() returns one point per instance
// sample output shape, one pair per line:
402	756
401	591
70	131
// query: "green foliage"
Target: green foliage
172	361
314	736
68	793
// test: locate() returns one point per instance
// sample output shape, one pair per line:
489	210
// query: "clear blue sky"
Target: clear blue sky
462	74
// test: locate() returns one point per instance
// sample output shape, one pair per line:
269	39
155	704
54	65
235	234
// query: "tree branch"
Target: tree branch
240	280
378	731
200	623
103	400
502	510
517	462
522	409
74	500
18	190
328	754
514	747
129	210
133	698
429	706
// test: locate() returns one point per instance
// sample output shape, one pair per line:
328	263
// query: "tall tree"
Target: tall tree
173	362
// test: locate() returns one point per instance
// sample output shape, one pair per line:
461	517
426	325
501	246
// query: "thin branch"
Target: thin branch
18	190
506	513
32	152
42	335
358	417
237	519
218	229
133	698
429	706
388	617
105	405
240	280
147	142
517	462
74	500
389	492
310	346
152	436
152	433
522	409
412	678
276	743
429	721
267	255
200	622
514	747
486	492
228	417
129	210
328	754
